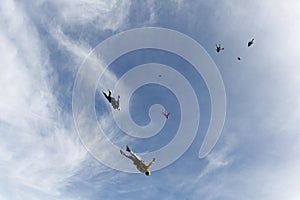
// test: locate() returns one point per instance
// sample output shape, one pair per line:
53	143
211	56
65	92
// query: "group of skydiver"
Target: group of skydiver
137	161
219	48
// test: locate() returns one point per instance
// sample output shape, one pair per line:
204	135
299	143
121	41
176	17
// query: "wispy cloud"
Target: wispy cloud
105	15
41	154
40	151
216	160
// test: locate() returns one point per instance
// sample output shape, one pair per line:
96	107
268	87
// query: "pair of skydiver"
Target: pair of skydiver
219	48
137	161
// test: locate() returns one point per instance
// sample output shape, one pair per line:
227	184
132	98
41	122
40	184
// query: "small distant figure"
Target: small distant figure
166	114
115	103
238	58
219	48
159	75
250	42
138	162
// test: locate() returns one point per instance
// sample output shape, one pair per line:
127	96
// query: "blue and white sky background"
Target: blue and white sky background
42	46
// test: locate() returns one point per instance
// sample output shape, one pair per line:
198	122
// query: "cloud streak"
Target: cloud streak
104	15
40	152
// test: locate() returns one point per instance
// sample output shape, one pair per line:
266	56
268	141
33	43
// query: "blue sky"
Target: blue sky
43	44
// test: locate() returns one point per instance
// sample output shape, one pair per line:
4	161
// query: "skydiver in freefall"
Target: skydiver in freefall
219	48
250	42
167	115
115	103
138	162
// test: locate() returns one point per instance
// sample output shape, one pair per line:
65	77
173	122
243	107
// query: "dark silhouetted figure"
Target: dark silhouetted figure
167	115
238	58
115	103
219	48
250	42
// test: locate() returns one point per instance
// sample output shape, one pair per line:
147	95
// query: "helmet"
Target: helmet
147	173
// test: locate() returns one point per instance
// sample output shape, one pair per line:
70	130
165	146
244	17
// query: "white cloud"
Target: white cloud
152	9
103	14
80	51
268	172
38	154
263	116
217	160
40	151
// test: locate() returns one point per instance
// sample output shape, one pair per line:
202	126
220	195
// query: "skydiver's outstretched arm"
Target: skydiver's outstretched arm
151	163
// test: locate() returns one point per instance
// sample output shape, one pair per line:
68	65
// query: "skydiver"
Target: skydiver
115	103
238	58
250	42
218	48
166	114
138	162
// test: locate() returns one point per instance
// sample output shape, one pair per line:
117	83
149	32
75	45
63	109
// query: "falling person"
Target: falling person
138	162
250	42
219	48
166	114
115	103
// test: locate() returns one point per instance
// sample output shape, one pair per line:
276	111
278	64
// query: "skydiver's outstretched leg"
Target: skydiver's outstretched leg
124	154
105	94
132	153
108	97
127	148
131	157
